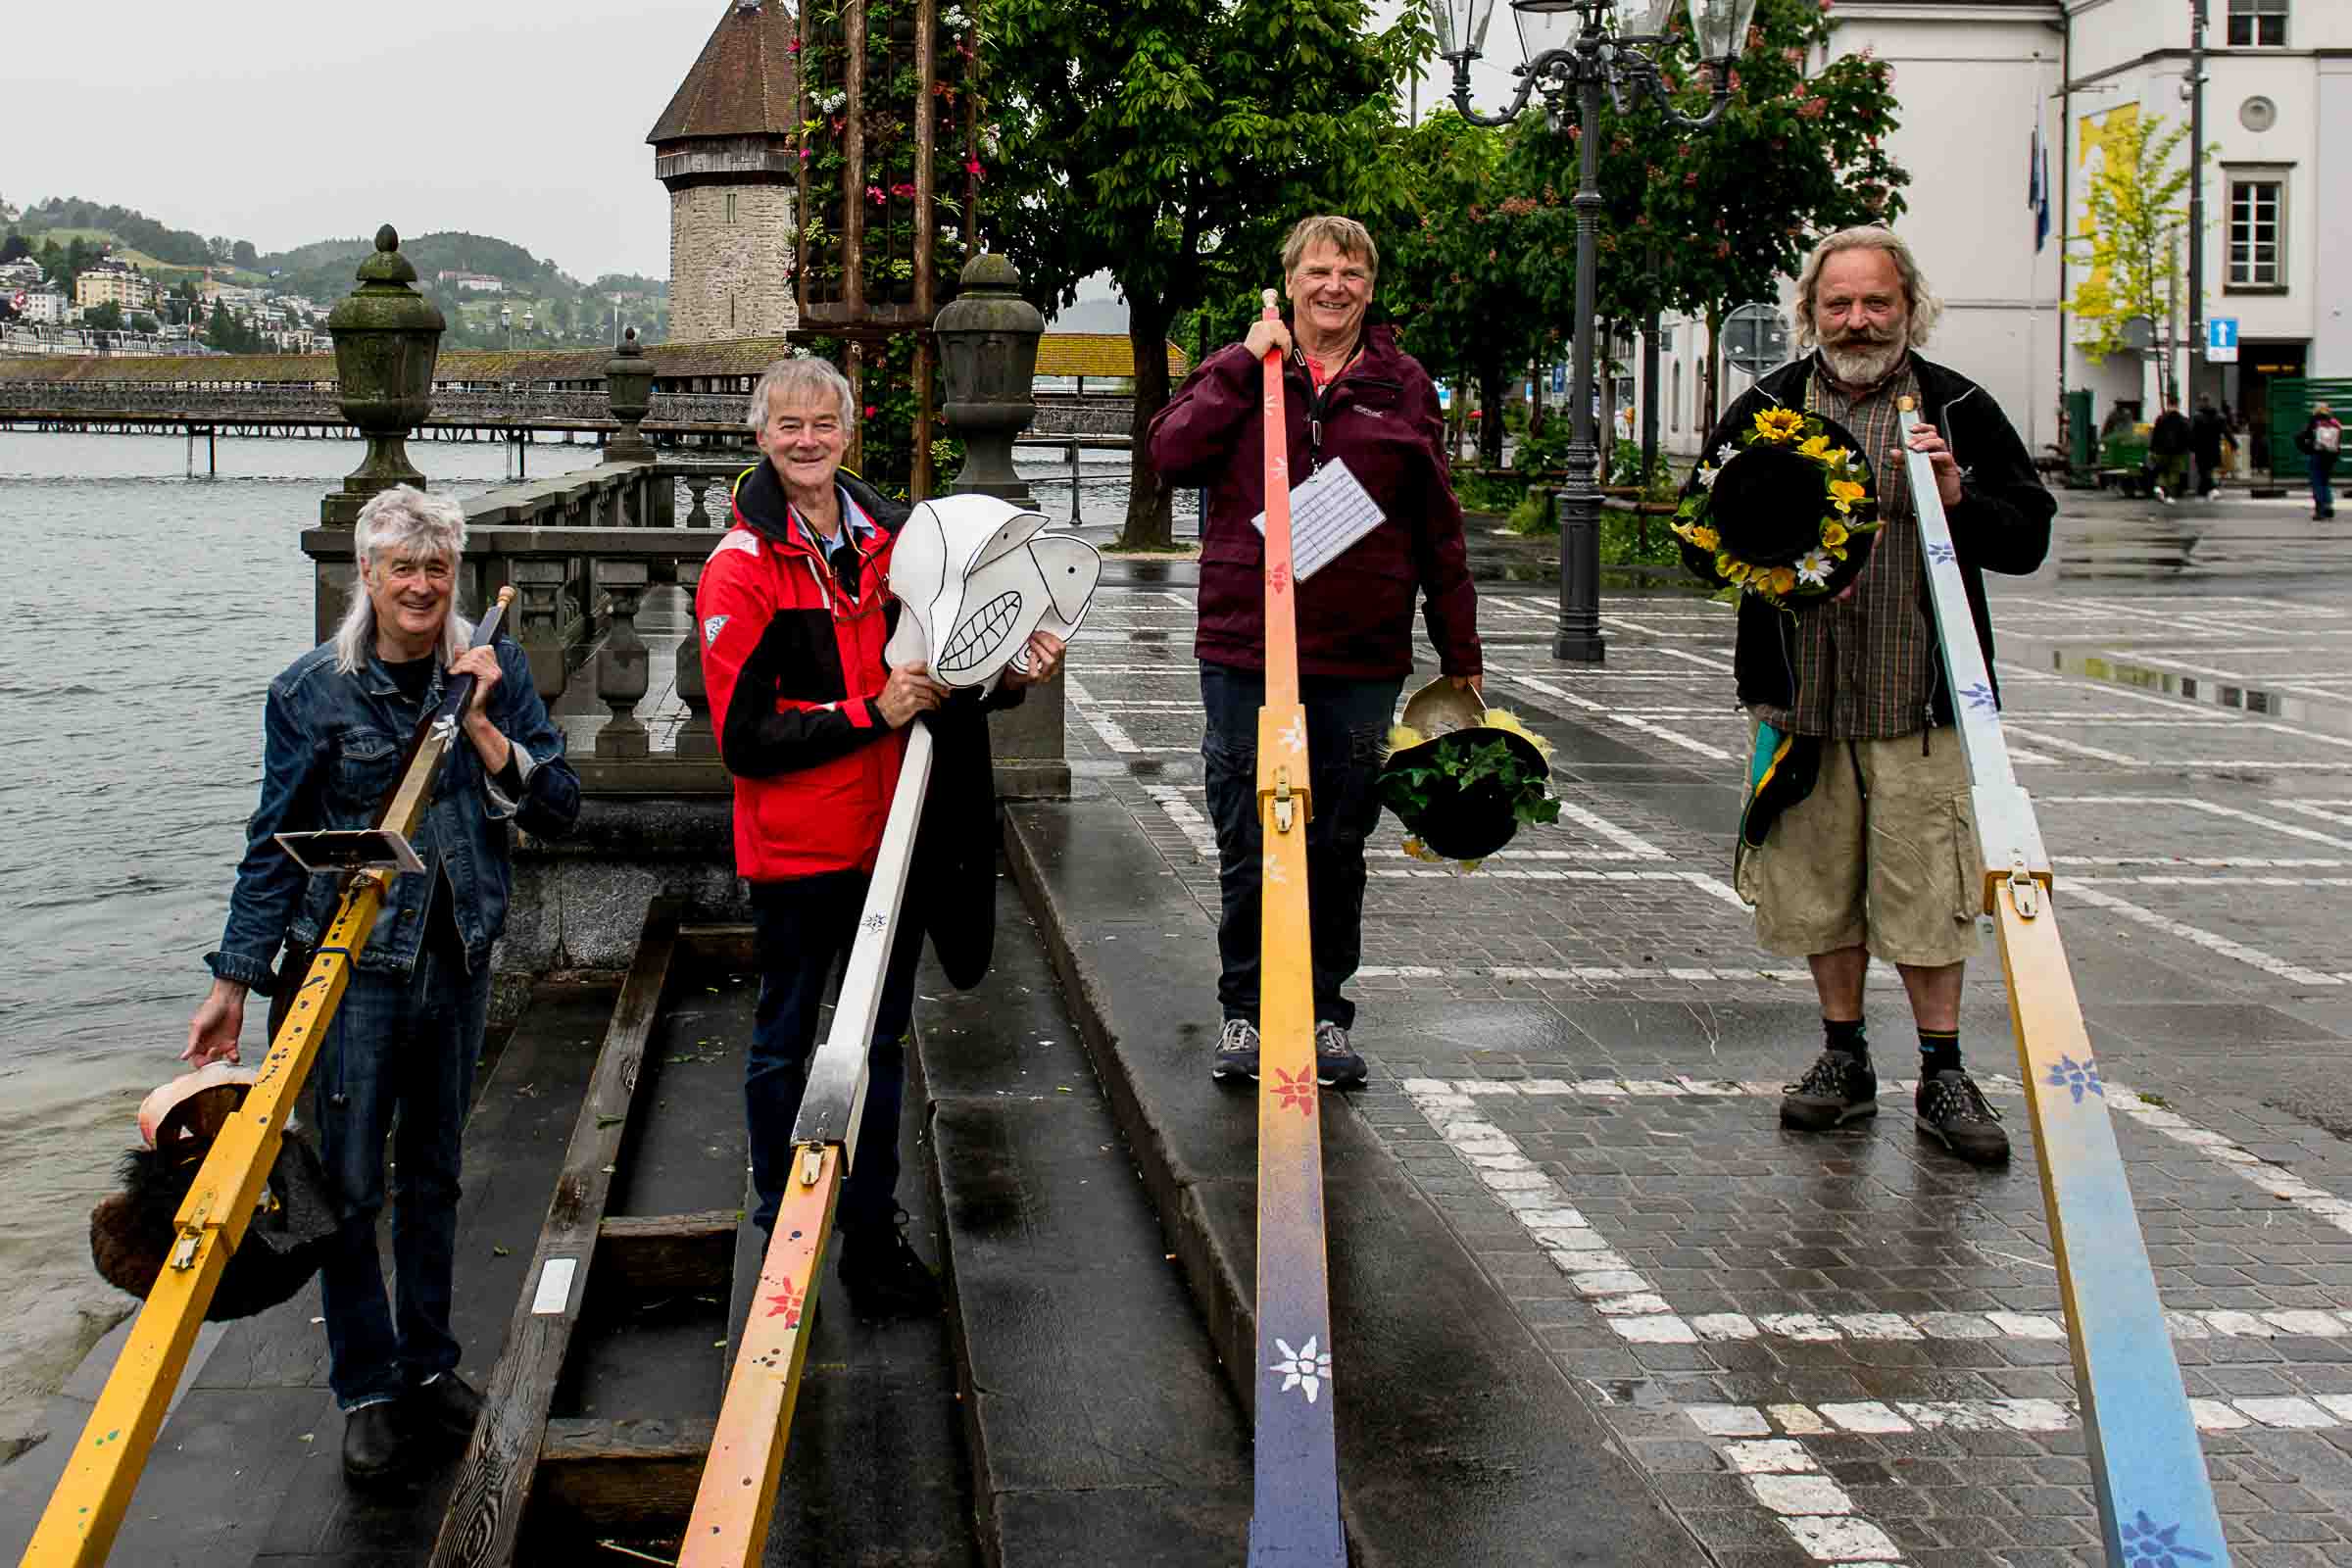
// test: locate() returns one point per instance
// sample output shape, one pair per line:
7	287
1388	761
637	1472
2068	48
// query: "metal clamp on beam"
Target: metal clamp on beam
1282	803
2024	894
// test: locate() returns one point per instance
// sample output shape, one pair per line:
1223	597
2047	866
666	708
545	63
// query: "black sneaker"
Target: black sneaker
445	1405
1836	1089
884	1275
376	1446
1236	1052
1954	1110
1337	1064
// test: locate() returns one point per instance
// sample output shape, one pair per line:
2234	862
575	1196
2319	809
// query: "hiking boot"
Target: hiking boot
1236	1052
445	1405
1337	1064
1954	1110
1836	1089
884	1275
375	1444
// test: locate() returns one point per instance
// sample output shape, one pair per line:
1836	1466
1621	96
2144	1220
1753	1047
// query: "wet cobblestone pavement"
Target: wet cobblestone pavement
1850	1346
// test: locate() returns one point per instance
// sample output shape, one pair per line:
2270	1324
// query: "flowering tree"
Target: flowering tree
2136	225
1167	144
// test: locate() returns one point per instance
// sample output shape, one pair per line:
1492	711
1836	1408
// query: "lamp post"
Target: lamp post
1576	50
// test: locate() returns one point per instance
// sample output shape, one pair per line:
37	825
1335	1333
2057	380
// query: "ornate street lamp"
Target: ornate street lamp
1577	49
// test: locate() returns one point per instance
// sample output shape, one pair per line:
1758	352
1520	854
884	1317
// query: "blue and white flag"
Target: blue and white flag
2037	187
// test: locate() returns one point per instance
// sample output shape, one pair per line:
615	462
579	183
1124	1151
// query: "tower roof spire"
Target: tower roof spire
744	82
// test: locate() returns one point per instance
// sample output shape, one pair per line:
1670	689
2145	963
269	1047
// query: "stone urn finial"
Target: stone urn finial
629	384
387	336
988	351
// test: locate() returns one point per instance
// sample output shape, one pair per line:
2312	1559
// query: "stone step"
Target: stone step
1460	1440
1098	1426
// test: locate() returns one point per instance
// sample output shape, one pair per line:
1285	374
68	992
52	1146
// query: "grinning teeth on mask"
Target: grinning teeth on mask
981	632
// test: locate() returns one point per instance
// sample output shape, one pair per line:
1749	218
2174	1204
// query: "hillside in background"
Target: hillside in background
538	304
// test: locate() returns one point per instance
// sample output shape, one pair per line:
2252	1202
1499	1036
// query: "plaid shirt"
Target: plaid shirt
1865	666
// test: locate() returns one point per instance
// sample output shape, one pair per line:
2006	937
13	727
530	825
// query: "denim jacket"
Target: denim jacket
331	749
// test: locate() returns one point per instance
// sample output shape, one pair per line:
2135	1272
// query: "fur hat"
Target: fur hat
1463	776
132	1230
1787	509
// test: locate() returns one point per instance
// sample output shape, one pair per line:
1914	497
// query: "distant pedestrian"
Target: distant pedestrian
2322	441
2207	431
1352	397
1879	857
398	1061
2168	441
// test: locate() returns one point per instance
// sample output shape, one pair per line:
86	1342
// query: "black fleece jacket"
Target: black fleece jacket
2000	523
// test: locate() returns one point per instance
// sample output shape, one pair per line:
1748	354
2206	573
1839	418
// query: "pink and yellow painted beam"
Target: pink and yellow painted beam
2155	1498
1296	1515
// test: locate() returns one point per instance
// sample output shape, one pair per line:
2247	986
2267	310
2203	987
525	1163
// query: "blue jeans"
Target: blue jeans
805	927
1347	729
2322	498
398	1061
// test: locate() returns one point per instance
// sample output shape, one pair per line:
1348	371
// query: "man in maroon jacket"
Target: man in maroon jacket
1352	396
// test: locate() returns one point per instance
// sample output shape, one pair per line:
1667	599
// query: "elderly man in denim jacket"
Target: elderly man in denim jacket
406	1039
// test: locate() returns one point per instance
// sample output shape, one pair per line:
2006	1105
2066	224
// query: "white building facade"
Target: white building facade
1976	78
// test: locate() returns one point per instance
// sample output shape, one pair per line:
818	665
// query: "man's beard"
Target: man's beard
1859	360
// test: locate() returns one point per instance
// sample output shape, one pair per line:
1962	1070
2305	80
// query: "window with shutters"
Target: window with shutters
2258	24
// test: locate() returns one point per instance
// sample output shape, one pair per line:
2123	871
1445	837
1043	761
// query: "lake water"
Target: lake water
139	629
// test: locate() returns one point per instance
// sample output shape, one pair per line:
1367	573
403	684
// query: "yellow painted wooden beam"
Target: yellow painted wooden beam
737	1498
86	1508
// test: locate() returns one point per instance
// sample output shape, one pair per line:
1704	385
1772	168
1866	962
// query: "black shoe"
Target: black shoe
1338	1066
376	1445
1236	1052
1836	1089
1954	1110
445	1405
884	1275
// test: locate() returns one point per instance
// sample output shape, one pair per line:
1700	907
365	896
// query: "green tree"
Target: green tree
1475	279
106	317
14	248
2138	219
143	322
242	254
1168	143
1703	221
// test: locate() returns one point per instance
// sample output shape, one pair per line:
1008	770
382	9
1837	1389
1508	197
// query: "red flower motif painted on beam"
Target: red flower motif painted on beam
786	1304
1297	1091
1278	577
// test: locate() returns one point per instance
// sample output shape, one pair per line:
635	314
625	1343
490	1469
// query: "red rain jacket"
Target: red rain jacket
794	669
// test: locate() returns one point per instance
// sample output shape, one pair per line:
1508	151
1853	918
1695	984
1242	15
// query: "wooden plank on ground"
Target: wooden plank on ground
484	1521
622	1475
665	1254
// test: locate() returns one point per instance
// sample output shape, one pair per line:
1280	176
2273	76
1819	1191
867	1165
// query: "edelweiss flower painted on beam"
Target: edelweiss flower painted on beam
1302	1369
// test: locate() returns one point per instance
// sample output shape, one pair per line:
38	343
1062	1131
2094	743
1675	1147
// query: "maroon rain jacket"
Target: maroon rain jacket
1355	616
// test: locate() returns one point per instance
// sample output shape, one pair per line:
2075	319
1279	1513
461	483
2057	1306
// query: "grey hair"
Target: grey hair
400	521
1346	235
1922	304
802	378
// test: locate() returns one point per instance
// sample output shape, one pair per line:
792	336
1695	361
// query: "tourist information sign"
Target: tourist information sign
2148	1468
1295	1518
87	1507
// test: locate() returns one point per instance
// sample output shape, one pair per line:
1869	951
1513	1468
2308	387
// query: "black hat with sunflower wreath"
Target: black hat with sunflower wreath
1786	510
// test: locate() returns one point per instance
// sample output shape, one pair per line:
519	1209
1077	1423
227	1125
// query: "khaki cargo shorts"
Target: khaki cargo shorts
1881	855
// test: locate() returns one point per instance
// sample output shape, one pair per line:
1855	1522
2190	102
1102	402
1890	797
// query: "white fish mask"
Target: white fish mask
977	576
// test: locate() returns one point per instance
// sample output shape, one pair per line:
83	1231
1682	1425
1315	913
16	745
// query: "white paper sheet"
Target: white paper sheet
1330	511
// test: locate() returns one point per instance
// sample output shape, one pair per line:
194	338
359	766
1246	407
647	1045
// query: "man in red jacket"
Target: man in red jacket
795	610
1352	396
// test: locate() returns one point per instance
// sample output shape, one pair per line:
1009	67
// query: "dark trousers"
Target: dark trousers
2322	498
399	1061
1346	728
805	927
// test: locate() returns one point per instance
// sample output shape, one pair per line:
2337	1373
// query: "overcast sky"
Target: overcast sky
284	123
